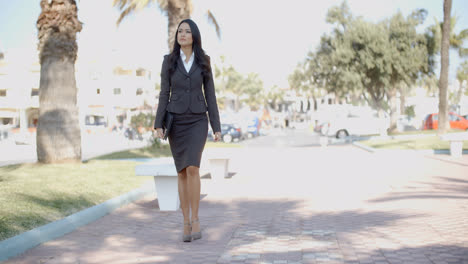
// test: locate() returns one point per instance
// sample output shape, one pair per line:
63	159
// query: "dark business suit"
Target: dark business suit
182	95
187	93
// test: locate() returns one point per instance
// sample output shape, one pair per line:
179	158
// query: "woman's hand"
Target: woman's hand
159	133
217	136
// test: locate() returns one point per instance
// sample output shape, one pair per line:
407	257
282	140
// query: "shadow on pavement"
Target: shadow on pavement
444	188
241	230
421	218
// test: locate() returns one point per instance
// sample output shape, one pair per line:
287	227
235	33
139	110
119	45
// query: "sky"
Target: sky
262	36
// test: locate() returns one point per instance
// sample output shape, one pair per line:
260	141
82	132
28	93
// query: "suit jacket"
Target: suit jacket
187	93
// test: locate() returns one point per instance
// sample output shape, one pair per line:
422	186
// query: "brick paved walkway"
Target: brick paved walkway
301	205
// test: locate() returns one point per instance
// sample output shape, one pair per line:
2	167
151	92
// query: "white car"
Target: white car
367	123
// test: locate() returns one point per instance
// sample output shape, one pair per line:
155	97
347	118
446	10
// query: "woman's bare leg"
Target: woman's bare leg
193	176
184	199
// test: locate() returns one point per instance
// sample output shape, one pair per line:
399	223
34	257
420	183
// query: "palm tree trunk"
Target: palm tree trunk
443	82
58	131
177	10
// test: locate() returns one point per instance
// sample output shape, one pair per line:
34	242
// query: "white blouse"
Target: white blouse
188	64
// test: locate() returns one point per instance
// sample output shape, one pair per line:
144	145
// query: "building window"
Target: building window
3	93
139	91
121	71
6	121
98	91
34	92
140	72
117	91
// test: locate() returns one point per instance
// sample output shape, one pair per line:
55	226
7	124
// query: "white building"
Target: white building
108	95
19	95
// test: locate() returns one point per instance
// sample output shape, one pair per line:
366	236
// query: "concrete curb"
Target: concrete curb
18	244
420	151
362	146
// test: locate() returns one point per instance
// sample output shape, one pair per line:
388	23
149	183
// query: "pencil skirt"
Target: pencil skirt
187	139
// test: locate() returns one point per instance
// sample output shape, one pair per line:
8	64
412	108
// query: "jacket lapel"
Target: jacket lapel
180	66
193	68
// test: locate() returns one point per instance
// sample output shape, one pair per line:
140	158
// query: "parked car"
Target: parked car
253	127
367	123
229	133
456	121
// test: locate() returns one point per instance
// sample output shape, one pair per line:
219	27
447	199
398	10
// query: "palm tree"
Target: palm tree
462	77
456	40
58	131
176	10
444	67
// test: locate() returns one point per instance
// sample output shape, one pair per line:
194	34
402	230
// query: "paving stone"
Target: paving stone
400	209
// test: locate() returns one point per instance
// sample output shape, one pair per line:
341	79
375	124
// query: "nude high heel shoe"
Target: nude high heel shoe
196	235
187	238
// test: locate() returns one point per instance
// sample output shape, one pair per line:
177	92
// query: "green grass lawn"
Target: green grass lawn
32	195
425	132
430	142
161	151
147	152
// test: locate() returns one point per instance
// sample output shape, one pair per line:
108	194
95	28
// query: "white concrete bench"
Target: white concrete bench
219	167
165	179
456	142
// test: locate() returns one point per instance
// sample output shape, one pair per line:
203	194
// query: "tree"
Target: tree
175	10
274	97
444	68
329	64
375	60
252	91
462	77
229	83
456	40
245	88
303	80
430	83
408	57
58	131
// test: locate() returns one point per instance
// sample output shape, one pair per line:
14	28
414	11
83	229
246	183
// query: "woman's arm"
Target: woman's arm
164	93
210	95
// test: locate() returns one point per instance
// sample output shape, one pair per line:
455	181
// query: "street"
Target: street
100	144
293	204
92	146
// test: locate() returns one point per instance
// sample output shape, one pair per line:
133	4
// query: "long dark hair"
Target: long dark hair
200	57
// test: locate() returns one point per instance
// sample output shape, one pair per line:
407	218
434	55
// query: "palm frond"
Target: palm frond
120	3
212	20
129	6
163	4
463	52
124	13
463	34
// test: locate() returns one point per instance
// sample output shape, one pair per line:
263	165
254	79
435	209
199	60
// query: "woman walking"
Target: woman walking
185	71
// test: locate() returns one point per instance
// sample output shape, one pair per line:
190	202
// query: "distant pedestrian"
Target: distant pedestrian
184	72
